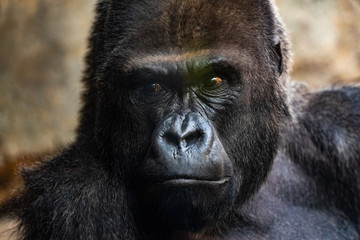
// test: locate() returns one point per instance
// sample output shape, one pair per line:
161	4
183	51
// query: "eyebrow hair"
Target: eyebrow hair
201	64
163	58
192	60
192	71
209	62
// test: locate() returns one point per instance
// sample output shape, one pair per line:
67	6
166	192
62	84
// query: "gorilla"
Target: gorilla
190	129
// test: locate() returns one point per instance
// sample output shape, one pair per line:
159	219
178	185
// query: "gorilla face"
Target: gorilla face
198	109
186	169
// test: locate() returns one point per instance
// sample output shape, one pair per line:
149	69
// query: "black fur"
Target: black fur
295	154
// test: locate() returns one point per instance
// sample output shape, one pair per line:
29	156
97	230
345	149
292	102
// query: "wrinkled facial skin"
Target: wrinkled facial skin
199	119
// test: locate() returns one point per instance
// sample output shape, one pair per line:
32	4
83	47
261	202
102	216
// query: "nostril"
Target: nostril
188	139
191	138
171	138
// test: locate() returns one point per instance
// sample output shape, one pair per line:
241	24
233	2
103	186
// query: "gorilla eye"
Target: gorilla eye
215	81
153	87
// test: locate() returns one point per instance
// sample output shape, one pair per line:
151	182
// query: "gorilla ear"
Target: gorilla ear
278	53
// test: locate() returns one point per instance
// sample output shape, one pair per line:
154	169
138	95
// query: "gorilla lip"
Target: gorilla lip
186	182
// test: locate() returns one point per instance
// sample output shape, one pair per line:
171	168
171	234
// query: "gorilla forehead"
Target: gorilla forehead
195	24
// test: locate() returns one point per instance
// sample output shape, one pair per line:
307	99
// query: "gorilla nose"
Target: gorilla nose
183	139
186	147
183	132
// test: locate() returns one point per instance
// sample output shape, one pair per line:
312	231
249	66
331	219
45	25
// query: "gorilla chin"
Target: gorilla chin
187	204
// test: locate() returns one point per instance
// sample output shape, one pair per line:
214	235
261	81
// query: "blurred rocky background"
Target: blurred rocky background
42	44
325	36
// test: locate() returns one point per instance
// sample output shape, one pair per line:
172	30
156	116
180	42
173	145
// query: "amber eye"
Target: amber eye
214	82
153	87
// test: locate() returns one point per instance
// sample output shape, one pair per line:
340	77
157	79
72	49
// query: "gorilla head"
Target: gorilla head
187	101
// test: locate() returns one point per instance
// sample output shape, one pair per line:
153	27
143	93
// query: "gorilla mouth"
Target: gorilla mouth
180	182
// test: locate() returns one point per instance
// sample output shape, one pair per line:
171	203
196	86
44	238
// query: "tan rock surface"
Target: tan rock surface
42	46
325	36
7	231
